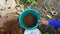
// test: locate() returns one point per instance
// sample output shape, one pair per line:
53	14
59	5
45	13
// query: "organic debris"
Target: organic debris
47	29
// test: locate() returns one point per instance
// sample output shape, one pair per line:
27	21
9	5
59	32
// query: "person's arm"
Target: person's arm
55	23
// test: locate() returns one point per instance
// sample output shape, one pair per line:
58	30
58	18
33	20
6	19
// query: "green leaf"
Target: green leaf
42	15
34	2
46	32
29	1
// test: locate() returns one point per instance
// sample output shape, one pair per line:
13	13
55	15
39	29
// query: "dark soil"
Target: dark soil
30	20
48	29
11	26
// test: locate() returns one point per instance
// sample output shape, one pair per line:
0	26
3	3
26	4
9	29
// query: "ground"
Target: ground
48	9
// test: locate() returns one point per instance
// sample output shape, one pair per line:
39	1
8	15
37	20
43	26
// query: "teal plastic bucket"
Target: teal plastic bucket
29	11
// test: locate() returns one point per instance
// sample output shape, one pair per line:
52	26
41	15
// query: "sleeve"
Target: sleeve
55	23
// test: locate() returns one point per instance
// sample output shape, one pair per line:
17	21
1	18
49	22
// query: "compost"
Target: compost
30	20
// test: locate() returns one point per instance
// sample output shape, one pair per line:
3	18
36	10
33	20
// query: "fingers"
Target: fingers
43	21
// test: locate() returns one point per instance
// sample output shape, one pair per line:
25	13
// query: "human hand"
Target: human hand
43	21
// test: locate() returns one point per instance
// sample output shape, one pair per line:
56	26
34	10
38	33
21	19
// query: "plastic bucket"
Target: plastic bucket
29	11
